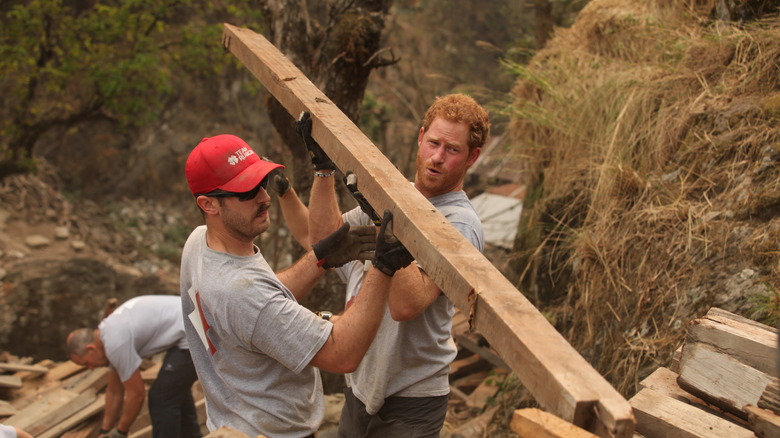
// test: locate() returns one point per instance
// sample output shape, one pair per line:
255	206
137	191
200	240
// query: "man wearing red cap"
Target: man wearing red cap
255	348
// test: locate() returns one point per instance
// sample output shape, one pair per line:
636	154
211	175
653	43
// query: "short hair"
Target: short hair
461	108
78	340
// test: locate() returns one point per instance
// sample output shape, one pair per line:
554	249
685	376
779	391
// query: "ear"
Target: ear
208	204
420	136
473	155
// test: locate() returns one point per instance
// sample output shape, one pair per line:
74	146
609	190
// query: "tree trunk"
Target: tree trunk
336	45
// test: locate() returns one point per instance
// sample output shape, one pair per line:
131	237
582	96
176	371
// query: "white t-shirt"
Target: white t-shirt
7	431
141	327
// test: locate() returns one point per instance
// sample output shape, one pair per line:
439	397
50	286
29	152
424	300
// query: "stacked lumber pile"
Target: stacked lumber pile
722	383
50	400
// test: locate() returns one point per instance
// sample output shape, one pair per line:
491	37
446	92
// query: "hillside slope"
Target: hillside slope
653	136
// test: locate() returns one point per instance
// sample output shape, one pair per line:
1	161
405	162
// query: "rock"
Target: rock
37	241
61	233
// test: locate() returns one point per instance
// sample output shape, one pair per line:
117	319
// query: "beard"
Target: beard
244	226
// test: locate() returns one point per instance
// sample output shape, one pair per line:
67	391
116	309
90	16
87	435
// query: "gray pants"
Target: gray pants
399	417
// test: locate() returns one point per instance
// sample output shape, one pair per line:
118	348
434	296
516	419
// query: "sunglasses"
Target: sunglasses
243	196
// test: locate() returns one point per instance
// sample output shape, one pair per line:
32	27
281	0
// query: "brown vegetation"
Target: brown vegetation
652	137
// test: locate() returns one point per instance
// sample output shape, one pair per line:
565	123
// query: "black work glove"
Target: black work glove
344	245
350	180
391	255
319	158
278	182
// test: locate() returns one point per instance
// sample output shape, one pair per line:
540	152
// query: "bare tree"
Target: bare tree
336	43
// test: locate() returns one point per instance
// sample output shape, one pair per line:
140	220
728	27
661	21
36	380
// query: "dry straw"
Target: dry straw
651	135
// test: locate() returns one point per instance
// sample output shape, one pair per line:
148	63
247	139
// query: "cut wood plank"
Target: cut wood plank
96	379
766	424
63	370
54	417
6	409
719	379
470	343
35	369
557	376
42	407
770	398
536	423
750	342
149	375
664	381
467	365
69	423
10	382
658	416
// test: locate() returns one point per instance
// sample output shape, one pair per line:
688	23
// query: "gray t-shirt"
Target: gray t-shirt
411	358
251	343
141	327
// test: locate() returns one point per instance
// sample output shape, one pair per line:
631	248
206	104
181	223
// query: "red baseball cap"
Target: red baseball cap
225	162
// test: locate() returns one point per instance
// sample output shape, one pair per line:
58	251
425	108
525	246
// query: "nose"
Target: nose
262	196
438	155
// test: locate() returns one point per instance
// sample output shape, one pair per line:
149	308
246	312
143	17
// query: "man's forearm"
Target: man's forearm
324	213
296	215
301	276
132	407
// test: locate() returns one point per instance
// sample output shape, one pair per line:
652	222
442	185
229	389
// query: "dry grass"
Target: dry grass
652	137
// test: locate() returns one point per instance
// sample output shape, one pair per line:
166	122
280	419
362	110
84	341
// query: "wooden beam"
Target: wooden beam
557	376
34	369
535	423
720	379
747	341
661	416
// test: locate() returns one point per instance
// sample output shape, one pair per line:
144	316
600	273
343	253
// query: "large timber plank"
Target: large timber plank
38	410
35	369
750	342
535	423
92	409
659	416
719	379
61	412
766	424
557	376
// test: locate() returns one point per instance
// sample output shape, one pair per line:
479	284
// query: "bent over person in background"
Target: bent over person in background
255	347
141	327
401	387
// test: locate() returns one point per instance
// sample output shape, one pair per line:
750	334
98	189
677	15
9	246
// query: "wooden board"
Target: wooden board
66	410
720	379
750	342
92	409
535	423
35	369
557	376
659	416
766	424
664	381
10	382
33	412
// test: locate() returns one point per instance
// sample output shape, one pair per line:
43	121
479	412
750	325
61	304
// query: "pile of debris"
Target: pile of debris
62	399
722	383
